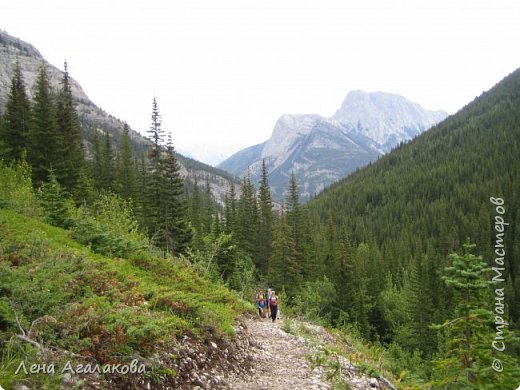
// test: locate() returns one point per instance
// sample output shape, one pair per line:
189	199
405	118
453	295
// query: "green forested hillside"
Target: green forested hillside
107	302
383	235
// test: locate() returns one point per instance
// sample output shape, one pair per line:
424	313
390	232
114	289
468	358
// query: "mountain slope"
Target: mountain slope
322	150
91	117
421	202
240	161
473	154
71	304
385	234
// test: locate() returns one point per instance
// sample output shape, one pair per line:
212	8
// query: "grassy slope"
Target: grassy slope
100	307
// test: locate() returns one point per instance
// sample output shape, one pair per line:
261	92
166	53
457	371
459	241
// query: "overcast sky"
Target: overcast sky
223	71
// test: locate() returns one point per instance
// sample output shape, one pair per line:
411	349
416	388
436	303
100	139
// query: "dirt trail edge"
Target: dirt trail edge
281	360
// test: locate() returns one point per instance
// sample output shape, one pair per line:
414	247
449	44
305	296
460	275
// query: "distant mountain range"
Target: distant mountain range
93	118
320	150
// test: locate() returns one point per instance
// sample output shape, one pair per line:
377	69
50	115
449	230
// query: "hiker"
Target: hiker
269	292
261	303
273	304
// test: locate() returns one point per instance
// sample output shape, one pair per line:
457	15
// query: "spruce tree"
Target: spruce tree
195	215
107	164
265	235
468	359
284	271
166	206
178	234
230	210
294	213
141	207
126	177
53	199
70	158
14	129
298	227
43	146
247	220
155	189
209	208
96	166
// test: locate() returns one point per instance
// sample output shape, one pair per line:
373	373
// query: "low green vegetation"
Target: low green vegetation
97	290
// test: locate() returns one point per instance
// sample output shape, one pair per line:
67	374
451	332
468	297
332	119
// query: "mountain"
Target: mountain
320	151
413	208
93	118
384	118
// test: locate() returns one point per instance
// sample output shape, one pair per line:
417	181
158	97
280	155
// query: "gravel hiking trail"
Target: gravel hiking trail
281	361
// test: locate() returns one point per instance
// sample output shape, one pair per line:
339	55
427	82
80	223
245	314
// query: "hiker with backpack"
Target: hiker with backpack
273	304
261	303
269	292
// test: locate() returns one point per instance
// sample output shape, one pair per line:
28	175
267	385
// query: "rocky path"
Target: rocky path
281	361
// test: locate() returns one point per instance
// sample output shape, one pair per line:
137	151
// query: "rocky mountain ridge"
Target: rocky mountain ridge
93	118
323	150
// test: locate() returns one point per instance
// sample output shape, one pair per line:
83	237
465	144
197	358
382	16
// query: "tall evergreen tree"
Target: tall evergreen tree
43	147
14	131
142	190
107	164
126	178
468	361
178	234
247	220
230	210
70	159
155	198
96	164
209	208
265	235
284	272
299	228
195	216
166	206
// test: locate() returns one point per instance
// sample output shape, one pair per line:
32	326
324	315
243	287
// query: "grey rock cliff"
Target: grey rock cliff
322	150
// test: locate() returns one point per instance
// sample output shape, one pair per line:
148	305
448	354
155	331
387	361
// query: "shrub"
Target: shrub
16	191
109	227
315	299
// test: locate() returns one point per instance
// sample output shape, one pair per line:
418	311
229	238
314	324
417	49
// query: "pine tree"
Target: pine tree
195	216
43	146
107	164
14	131
96	165
126	178
53	200
284	272
265	235
209	209
178	234
166	206
141	207
362	302
70	159
299	229
230	210
155	189
293	205
468	362
247	220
